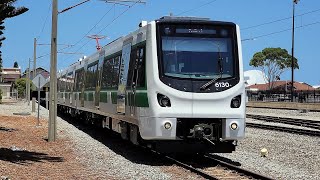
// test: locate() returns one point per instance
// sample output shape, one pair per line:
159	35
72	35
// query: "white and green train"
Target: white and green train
176	84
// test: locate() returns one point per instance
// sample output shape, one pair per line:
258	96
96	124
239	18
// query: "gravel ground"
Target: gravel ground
100	158
290	156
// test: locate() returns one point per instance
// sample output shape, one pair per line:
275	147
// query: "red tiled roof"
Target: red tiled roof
280	85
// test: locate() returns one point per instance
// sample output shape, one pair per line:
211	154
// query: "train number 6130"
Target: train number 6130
222	84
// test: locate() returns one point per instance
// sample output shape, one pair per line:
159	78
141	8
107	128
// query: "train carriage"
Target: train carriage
175	84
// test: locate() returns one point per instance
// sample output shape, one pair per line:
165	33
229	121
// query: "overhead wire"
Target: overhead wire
284	30
113	20
41	56
193	9
279	20
45	22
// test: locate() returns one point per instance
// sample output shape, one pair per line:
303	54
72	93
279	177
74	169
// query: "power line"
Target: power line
114	19
81	38
45	22
279	20
193	9
94	26
284	30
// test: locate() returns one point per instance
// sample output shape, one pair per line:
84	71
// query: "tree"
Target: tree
7	10
20	85
273	62
15	64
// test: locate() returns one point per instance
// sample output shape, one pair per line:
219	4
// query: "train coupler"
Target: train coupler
203	131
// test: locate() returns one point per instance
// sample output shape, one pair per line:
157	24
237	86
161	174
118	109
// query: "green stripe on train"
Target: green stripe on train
114	96
104	97
88	96
140	99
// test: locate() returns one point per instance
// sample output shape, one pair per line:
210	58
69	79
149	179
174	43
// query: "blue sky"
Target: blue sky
98	17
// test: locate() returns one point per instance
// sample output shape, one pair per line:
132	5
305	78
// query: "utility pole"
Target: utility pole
52	131
28	84
34	57
292	50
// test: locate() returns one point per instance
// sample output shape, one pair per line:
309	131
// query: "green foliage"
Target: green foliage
20	85
8	10
15	64
273	62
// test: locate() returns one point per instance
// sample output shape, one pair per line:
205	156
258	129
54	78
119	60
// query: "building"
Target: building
8	77
281	86
41	70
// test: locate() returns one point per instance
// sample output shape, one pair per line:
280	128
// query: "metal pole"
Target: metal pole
34	57
292	50
53	75
28	83
38	121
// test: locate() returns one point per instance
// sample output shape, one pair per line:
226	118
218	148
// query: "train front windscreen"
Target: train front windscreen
197	52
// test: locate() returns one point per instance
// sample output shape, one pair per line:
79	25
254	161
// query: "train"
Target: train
175	84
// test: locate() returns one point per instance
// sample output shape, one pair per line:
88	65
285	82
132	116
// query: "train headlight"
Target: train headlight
163	100
236	102
234	126
167	125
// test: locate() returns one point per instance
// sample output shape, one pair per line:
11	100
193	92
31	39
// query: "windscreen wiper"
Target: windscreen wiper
208	84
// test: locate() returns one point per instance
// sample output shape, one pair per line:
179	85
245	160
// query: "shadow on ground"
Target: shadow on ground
7	129
23	157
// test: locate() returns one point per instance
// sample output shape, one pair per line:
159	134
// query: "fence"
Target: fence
312	96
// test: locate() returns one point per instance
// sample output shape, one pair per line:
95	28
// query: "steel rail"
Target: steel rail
285	120
186	166
238	169
284	129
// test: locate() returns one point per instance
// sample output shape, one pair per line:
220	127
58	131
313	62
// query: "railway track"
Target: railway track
291	121
214	168
211	167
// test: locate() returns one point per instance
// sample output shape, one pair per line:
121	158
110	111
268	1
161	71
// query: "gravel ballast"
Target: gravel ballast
101	159
290	156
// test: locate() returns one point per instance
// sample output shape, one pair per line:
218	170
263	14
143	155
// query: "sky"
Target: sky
263	23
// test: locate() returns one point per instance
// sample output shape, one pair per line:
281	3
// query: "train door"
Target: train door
123	76
136	72
99	77
84	82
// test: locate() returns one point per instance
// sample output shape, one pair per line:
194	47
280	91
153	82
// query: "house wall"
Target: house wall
5	91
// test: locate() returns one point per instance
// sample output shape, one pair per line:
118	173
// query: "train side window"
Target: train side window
63	83
131	72
115	71
91	77
79	79
59	85
106	74
141	68
69	80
